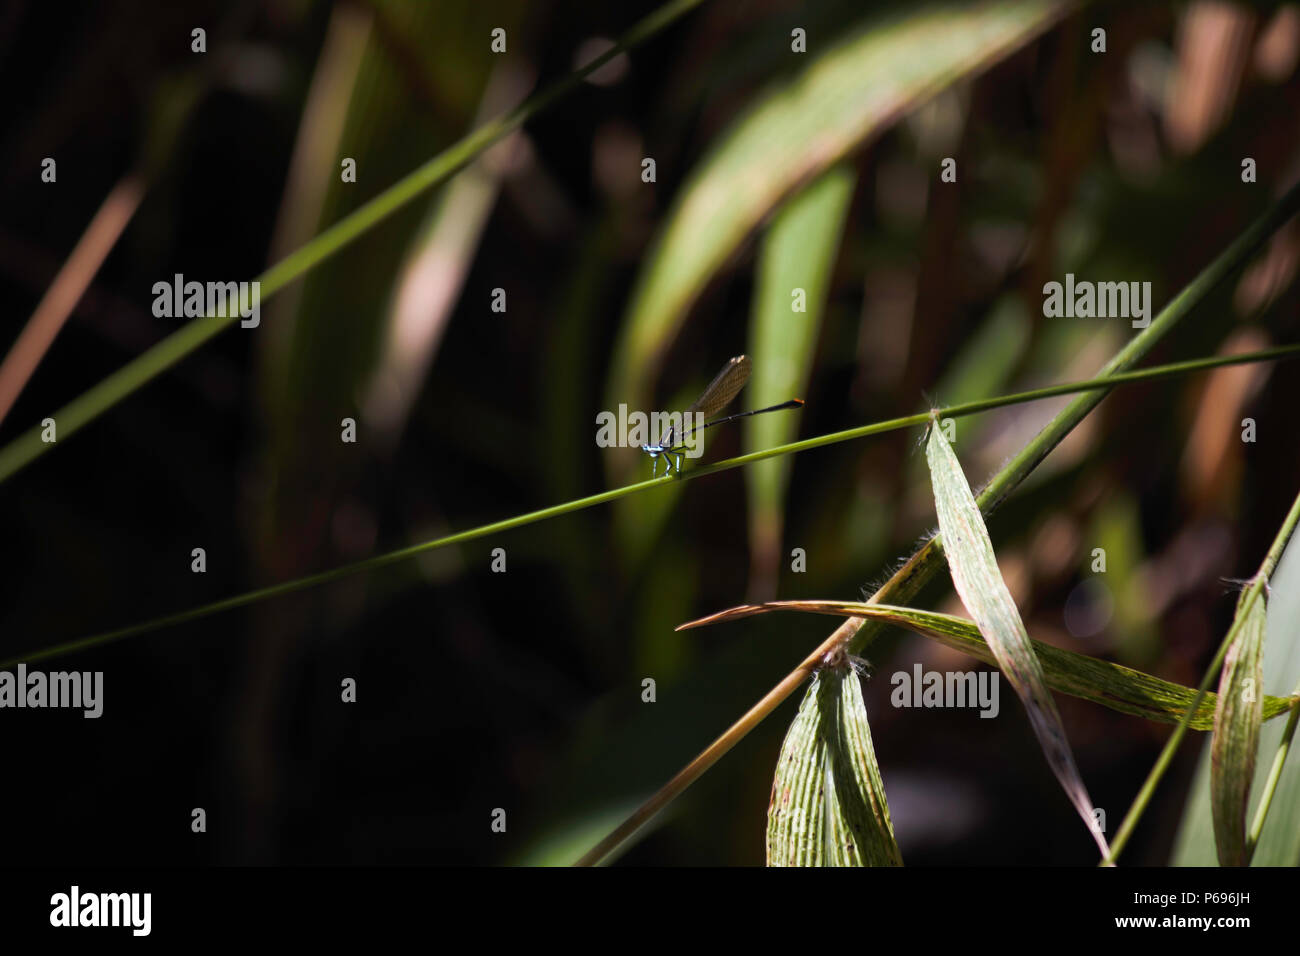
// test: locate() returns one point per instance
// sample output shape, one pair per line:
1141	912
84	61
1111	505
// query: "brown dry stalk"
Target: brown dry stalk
68	287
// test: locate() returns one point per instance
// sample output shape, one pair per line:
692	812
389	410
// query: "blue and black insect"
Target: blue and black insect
724	387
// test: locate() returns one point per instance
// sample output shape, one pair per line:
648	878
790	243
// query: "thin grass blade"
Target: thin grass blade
798	252
979	583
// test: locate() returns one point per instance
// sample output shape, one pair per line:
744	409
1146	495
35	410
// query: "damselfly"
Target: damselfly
716	397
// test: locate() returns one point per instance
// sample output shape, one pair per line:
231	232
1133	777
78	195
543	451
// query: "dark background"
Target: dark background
522	690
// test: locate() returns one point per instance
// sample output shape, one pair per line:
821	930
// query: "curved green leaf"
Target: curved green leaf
1237	719
795	132
828	804
1112	685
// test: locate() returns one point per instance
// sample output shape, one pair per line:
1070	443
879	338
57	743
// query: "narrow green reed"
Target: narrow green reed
391	557
1254	592
986	404
92	403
